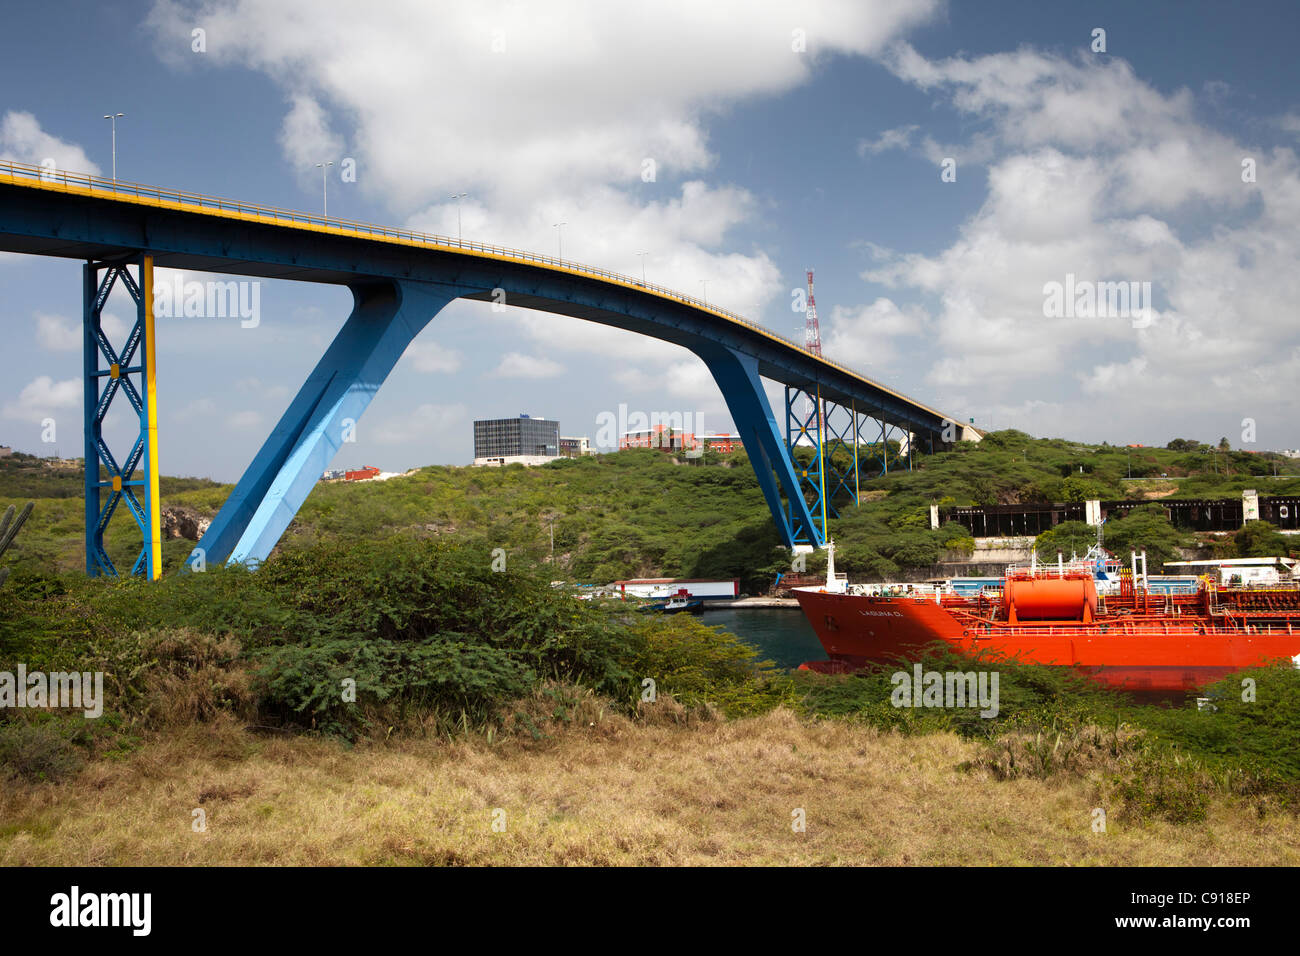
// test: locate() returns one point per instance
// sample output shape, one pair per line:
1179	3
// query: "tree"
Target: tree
1223	444
1067	538
1146	529
1259	539
1079	488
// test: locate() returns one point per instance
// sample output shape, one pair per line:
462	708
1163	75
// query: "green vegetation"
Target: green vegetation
381	613
614	516
1143	529
1158	760
9	528
1259	539
1147	529
641	513
418	637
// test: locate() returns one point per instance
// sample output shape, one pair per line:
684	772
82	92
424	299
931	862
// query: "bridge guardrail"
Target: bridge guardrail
121	189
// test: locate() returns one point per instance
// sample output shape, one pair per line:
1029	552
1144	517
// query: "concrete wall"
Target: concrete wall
1002	550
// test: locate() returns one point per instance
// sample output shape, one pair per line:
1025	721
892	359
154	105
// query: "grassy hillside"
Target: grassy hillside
378	668
640	513
604	790
475	690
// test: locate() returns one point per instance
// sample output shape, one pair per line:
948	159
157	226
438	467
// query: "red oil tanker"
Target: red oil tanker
1113	624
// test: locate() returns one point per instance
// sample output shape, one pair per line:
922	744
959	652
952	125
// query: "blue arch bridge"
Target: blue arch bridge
400	280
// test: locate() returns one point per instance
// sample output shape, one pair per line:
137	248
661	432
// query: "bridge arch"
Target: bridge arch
400	281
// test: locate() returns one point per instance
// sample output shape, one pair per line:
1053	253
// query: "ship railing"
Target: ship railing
1051	570
1119	630
899	590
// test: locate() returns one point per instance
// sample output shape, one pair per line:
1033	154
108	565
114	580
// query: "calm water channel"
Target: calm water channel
780	634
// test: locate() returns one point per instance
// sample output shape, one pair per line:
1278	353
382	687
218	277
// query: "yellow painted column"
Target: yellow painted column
152	503
857	493
821	455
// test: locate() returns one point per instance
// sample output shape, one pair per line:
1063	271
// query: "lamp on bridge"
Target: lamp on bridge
324	167
113	118
458	197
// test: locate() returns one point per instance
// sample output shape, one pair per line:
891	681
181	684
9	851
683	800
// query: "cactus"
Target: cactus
8	528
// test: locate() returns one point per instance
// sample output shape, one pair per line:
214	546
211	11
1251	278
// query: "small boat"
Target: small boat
675	605
679	604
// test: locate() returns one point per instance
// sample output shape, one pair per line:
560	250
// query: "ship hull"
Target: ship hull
858	631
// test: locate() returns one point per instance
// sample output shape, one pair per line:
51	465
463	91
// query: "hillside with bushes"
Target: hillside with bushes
381	640
342	659
642	513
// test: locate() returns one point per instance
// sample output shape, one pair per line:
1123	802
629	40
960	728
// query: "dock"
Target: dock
751	602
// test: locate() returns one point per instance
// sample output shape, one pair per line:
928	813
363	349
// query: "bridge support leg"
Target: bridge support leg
808	426
742	388
107	374
385	318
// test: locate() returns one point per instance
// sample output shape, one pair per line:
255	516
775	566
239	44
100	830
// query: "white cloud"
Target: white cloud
544	114
307	139
245	419
518	365
23	141
423	425
44	395
686	386
429	356
1096	173
518	98
193	410
862	337
689	378
898	138
683	232
56	334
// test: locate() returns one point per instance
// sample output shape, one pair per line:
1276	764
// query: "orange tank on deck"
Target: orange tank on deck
1050	599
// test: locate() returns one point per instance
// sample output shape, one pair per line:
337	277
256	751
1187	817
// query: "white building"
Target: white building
500	461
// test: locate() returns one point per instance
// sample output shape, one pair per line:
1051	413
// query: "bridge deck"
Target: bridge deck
73	203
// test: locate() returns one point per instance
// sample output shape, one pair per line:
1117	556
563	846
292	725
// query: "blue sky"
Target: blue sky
1115	166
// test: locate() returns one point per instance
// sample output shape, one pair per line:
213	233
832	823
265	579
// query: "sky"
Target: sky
946	168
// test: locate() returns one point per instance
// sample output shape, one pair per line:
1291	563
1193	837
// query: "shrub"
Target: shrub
699	666
43	749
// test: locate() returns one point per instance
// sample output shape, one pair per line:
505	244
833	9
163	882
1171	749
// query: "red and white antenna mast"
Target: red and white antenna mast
812	334
812	341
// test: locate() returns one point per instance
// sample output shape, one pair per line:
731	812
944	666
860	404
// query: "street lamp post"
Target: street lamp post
705	284
559	238
549	517
458	197
643	255
113	118
324	186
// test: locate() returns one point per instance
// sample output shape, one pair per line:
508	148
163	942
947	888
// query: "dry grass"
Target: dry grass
1149	489
604	790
